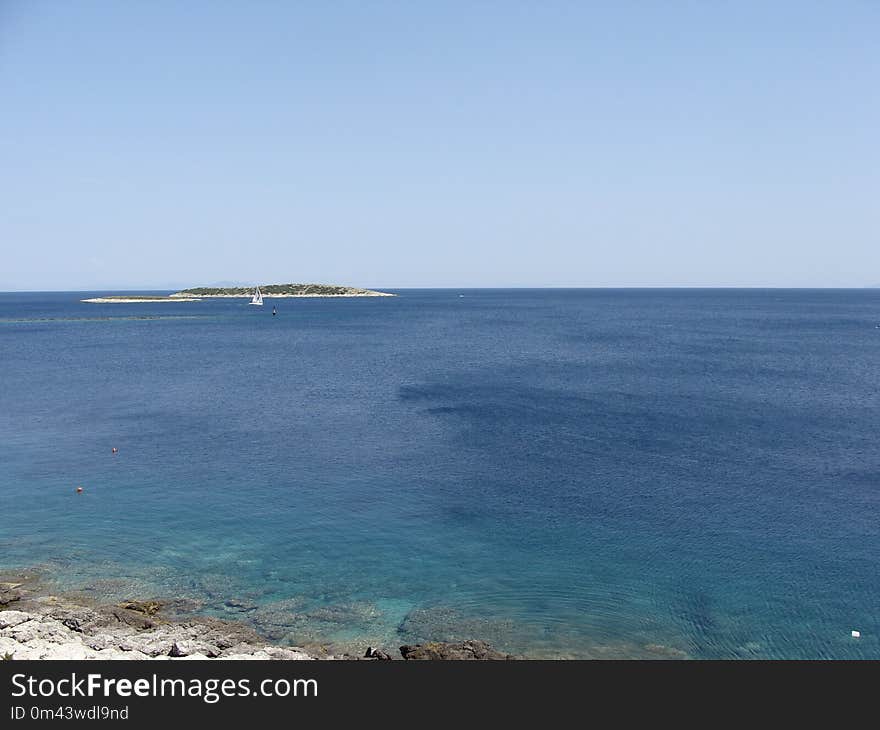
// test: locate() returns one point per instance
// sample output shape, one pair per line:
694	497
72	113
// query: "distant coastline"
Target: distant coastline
273	291
127	299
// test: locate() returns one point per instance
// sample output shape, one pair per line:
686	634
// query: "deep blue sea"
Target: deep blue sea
564	473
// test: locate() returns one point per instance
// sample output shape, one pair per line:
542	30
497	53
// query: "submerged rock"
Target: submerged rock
666	652
447	624
148	608
274	620
9	593
239	606
288	620
76	626
458	651
179	608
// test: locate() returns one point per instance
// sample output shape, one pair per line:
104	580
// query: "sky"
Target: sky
156	145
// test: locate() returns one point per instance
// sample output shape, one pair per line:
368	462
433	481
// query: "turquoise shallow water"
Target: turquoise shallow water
564	473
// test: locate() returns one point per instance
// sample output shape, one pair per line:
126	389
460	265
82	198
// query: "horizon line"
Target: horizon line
471	287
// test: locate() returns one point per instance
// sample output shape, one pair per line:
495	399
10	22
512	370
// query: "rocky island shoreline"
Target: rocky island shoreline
38	624
279	291
269	291
127	299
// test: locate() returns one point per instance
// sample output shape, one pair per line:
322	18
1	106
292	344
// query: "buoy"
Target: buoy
114	450
79	490
856	634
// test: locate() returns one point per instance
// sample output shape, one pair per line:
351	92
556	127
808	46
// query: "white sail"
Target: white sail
258	297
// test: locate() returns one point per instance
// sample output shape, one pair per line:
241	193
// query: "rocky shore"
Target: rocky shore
35	624
281	291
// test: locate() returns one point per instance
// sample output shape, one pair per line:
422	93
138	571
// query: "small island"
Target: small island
281	290
268	291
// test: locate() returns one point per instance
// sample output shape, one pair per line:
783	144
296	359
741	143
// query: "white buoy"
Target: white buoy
856	634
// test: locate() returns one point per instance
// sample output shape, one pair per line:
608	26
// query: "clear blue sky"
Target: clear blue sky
159	144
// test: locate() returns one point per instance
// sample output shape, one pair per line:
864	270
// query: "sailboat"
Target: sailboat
258	298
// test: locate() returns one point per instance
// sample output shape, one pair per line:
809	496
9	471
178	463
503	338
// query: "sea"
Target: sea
564	473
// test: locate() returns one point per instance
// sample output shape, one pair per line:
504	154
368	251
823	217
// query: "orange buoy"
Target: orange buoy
79	490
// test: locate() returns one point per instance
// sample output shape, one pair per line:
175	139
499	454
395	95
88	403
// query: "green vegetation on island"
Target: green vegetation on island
282	290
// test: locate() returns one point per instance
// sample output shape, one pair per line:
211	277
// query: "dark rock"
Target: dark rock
457	651
73	624
373	653
188	648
